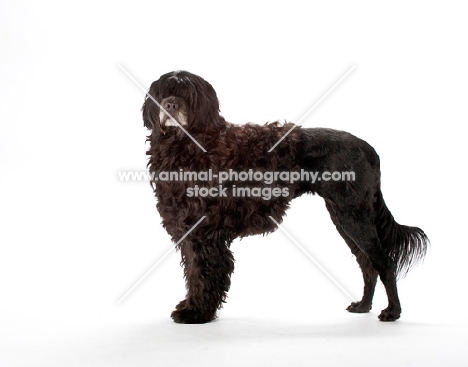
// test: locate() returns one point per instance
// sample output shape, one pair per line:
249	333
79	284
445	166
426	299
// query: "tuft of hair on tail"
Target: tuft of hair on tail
406	245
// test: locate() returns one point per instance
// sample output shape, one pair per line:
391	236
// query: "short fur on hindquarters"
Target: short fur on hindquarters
383	248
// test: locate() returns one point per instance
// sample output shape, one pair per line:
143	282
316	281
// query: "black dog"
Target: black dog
382	246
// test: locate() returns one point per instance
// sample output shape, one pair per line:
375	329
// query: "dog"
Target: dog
203	216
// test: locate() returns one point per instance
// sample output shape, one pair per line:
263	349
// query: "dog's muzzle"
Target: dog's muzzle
173	112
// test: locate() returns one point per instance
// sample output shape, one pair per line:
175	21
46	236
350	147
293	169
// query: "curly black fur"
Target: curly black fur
382	246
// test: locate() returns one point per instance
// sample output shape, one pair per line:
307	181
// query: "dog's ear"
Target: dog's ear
205	102
150	111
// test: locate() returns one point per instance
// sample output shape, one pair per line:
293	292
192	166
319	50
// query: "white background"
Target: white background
74	238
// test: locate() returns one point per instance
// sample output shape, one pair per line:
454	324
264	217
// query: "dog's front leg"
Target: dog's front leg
207	269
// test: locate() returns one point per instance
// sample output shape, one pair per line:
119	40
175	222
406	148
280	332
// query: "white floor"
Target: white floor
337	339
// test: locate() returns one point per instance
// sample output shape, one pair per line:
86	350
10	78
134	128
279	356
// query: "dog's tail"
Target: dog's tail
405	245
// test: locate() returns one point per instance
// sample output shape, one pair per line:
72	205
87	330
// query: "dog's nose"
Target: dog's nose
171	106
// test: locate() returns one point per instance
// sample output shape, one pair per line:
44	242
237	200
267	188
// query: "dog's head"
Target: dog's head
180	97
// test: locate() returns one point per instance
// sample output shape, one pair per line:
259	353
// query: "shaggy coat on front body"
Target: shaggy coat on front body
189	135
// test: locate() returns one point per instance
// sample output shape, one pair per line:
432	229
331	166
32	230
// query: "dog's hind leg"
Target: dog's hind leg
365	236
387	272
369	274
207	268
358	225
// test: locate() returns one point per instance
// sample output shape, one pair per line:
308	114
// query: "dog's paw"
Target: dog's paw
192	317
186	315
359	307
390	314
